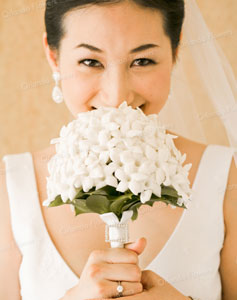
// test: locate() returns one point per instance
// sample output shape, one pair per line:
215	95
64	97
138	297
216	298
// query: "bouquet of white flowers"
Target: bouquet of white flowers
111	161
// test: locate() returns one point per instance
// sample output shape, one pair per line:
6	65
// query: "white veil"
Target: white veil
203	87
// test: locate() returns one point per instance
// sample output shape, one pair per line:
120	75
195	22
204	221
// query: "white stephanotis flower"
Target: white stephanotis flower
120	147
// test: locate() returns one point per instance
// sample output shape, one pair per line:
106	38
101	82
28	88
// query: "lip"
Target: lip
141	107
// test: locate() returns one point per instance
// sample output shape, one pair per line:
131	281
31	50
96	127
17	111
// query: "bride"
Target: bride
103	52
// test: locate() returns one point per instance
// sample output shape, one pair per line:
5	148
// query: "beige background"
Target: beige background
28	116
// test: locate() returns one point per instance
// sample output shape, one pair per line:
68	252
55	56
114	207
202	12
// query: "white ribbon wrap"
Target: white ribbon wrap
116	231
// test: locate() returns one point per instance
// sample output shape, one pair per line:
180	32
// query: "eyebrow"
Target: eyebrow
138	49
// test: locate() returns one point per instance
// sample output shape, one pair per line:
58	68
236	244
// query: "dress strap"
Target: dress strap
26	221
209	193
215	170
43	273
198	238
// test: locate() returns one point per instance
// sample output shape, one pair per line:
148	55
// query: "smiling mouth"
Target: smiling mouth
141	107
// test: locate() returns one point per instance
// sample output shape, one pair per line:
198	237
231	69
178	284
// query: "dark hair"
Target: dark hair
172	12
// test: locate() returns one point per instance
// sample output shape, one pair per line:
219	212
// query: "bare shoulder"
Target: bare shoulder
194	150
183	143
43	155
40	160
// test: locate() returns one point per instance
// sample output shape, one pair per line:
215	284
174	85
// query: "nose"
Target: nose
116	87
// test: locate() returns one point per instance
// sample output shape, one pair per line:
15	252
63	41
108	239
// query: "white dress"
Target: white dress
189	260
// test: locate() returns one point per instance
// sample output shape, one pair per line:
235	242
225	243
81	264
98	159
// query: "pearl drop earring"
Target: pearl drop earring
57	94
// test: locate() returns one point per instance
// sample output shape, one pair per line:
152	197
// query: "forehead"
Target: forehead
118	24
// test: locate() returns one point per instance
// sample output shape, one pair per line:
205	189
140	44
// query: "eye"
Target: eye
91	64
147	62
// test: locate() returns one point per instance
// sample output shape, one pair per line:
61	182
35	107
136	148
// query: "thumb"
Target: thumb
138	246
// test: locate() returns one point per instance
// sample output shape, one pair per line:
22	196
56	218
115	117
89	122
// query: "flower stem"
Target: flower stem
124	196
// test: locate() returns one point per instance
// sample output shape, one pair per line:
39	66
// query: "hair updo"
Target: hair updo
172	12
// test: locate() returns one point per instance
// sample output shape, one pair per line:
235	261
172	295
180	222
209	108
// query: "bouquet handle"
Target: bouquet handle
117	232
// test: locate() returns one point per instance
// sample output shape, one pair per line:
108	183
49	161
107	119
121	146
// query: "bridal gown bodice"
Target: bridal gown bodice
189	260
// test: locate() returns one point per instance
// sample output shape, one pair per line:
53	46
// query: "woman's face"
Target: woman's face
106	57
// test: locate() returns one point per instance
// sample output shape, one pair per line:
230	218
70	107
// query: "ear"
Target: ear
51	55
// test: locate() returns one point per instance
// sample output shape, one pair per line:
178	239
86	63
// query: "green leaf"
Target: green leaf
107	191
182	206
150	202
81	207
112	198
77	211
98	204
100	192
117	204
129	204
110	191
169	200
57	201
169	191
135	214
80	193
136	205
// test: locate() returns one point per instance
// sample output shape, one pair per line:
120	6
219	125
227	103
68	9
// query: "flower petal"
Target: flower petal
135	187
112	181
87	184
122	186
146	196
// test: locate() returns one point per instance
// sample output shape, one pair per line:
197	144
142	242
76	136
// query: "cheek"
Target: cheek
156	89
77	90
156	86
77	87
72	87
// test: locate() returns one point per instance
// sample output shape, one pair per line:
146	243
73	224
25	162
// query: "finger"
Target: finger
128	272
149	279
129	288
138	246
113	255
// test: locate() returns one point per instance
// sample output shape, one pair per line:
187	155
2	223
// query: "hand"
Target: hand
105	267
155	288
